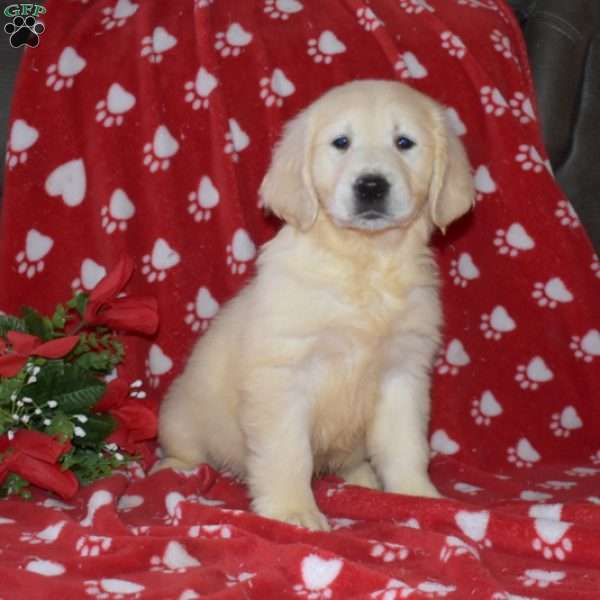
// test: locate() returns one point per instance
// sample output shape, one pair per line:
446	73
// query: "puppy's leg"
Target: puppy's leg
397	440
360	474
280	463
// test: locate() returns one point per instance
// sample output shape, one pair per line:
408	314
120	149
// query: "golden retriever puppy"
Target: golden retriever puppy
322	363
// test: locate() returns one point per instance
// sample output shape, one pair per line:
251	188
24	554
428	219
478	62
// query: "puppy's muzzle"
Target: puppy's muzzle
371	192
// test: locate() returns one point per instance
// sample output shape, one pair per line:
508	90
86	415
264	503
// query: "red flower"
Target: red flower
24	345
130	313
34	456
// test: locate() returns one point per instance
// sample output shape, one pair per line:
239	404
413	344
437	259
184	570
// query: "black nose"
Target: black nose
371	188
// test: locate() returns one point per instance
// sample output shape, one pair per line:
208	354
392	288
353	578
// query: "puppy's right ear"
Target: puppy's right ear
287	188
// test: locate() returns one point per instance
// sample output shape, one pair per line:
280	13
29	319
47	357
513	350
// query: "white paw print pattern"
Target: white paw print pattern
30	261
111	111
442	443
501	44
197	92
488	4
530	159
387	551
317	575
176	559
586	348
454	546
158	153
409	67
566	421
559	485
282	9
415	6
62	73
530	376
595	458
467	488
236	140
496	323
163	258
241	251
474	524
113	589
221	532
155	45
493	101
117	15
534	496
336	489
47	568
453	44
203	200
463	270
542	579
368	19
274	89
551	540
521	108
157	365
396	588
514	240
484	184
566	215
232	41
582	472
69	182
523	455
484	409
91	273
452	359
93	545
200	312
456	123
595	265
47	536
552	293
22	137
243	577
325	47
119	210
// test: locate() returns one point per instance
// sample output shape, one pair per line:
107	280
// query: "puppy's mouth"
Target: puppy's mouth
371	215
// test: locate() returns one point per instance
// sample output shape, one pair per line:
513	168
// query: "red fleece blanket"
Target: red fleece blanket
145	128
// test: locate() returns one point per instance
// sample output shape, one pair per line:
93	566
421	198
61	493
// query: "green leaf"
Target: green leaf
36	324
78	302
14	485
10	323
97	428
91	464
61	427
59	318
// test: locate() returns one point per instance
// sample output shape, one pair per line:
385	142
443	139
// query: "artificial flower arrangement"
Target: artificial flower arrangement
65	420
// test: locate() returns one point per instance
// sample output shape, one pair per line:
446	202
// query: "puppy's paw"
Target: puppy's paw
361	474
171	463
309	517
415	487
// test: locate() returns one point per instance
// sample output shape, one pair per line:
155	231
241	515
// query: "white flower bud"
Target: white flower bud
79	432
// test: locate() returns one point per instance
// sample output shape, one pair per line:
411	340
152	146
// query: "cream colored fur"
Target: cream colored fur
321	364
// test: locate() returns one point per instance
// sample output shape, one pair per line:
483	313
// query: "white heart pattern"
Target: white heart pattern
22	136
281	85
205	83
591	342
555	289
415	69
162	40
163	256
242	246
68	181
239	138
569	419
456	354
483	180
91	273
526	451
158	361
501	320
37	245
442	443
164	144
206	306
489	406
537	370
208	195
466	267
329	44
120	206
518	238
473	524
455	121
236	35
119	100
70	63
319	573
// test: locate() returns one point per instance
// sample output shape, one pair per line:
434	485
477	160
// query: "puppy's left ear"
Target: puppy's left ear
451	191
287	188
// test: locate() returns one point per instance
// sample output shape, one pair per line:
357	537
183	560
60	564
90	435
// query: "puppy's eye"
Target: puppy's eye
404	143
341	142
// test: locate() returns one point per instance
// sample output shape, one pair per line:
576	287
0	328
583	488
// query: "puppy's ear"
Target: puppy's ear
287	188
451	191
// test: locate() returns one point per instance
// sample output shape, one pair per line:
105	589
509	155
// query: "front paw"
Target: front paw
309	517
413	487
